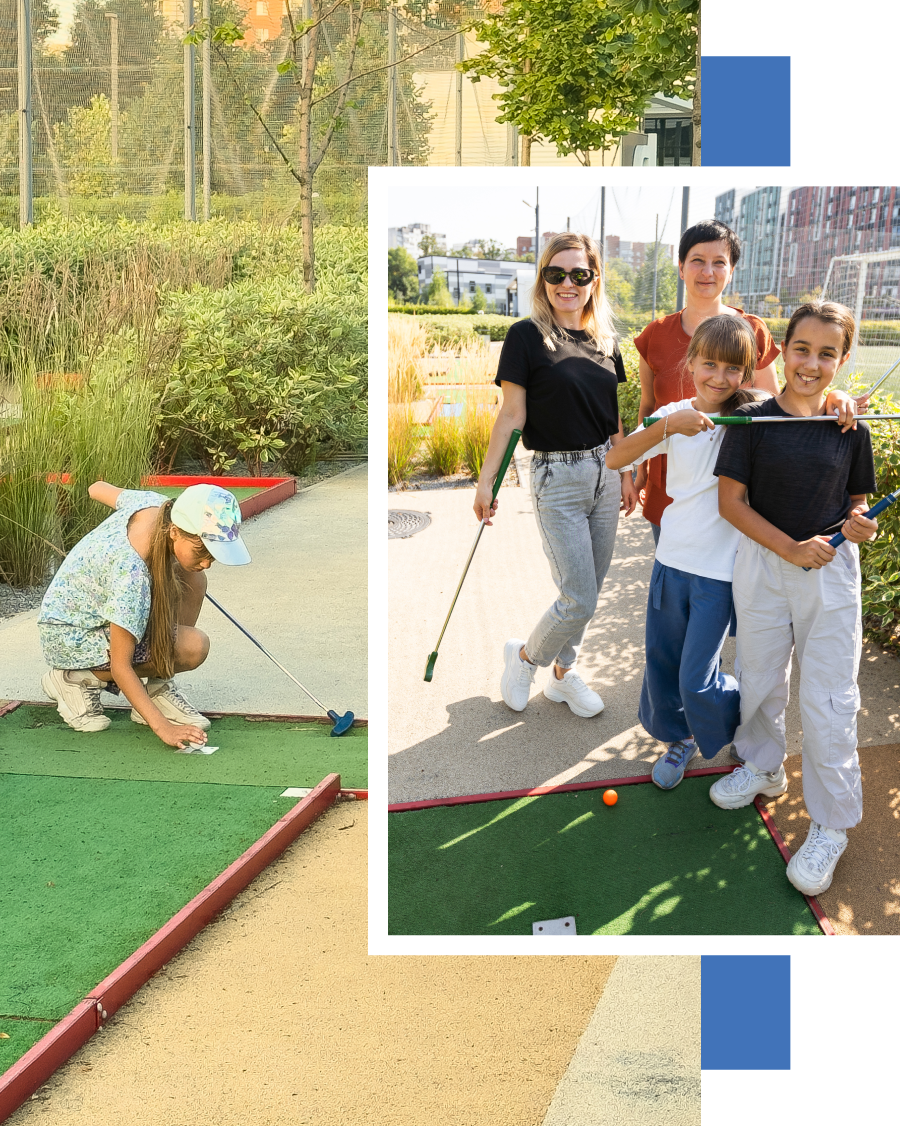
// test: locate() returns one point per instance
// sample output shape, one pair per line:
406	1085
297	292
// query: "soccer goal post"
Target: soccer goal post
870	285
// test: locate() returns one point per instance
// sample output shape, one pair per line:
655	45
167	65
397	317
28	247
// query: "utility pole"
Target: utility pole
113	101
206	116
392	138
458	85
684	213
655	275
189	81
24	66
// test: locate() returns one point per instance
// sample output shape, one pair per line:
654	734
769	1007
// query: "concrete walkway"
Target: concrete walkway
638	1062
304	596
455	735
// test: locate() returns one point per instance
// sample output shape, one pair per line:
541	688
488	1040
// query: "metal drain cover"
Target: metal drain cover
403	524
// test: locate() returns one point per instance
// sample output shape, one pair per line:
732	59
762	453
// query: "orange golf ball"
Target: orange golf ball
610	797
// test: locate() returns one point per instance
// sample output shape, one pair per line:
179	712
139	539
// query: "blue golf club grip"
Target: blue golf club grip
885	502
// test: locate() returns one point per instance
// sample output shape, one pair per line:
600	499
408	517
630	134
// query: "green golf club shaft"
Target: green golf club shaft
746	419
502	470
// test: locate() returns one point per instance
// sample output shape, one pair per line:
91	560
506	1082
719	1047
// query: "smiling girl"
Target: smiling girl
124	603
787	490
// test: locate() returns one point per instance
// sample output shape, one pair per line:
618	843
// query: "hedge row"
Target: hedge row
870	332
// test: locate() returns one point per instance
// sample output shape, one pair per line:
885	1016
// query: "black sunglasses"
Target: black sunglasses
555	275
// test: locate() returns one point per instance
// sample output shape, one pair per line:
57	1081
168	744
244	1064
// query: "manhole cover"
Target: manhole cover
403	524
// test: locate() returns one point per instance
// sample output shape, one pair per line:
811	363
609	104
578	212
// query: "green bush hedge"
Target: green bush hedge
452	331
264	373
880	560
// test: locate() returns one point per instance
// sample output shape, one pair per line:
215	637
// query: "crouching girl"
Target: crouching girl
125	602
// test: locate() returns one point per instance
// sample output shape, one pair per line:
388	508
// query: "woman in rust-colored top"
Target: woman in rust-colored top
707	256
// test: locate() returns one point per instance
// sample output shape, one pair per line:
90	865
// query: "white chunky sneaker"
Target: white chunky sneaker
572	690
735	790
77	694
811	869
517	678
167	698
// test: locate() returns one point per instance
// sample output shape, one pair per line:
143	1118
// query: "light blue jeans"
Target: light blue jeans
576	500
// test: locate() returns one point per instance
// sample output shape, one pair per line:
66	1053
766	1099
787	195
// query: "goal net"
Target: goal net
870	285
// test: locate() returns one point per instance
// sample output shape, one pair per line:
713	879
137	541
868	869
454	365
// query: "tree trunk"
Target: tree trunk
697	158
524	157
306	171
306	230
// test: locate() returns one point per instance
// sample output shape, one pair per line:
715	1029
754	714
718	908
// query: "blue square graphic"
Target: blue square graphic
745	1009
745	110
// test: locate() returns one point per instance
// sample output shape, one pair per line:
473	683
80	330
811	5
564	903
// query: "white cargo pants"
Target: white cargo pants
778	606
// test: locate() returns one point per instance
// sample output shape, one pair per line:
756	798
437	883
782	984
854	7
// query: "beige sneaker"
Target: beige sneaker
167	698
76	692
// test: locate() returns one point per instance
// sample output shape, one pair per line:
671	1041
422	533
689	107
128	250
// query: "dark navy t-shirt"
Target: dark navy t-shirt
571	392
799	475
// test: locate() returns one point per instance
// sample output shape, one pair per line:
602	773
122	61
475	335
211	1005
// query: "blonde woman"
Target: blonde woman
559	372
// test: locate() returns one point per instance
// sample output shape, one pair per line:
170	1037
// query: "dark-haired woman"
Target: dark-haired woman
559	372
124	603
788	490
707	256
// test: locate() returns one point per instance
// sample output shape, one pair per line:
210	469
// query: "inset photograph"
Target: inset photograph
643	561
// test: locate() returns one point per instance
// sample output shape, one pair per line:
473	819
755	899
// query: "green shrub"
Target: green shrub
403	443
264	373
880	560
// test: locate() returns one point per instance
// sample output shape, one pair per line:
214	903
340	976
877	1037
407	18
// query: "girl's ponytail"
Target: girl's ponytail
165	596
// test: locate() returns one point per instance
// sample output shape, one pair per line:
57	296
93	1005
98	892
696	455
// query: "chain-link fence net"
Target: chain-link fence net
110	117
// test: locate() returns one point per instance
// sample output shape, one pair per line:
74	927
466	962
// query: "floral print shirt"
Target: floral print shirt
102	580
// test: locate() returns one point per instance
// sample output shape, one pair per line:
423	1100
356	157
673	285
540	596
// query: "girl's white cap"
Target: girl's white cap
213	514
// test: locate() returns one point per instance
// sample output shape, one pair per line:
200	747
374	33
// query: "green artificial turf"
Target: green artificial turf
655	863
241	492
35	740
93	867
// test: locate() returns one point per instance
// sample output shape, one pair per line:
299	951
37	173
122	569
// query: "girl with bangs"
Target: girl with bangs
559	371
125	602
686	701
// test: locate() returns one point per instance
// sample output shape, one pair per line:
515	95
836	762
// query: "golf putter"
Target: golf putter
872	390
885	502
747	420
502	469
340	723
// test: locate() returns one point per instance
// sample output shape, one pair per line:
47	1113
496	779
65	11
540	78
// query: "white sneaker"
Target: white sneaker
735	790
167	698
811	869
77	694
517	677
572	690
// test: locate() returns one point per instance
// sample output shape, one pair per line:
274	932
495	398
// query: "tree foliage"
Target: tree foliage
402	274
581	74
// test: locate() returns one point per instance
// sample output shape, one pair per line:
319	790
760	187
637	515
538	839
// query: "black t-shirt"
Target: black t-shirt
799	475
571	392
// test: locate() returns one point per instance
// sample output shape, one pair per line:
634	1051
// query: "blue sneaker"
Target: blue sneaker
669	769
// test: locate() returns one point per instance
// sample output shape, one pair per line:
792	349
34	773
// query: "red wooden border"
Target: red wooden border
260	717
58	1045
273	489
816	909
9	706
538	791
360	795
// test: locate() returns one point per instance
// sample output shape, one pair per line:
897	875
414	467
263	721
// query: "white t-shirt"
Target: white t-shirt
694	537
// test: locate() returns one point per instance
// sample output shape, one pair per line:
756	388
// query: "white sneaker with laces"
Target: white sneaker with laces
572	690
166	698
517	678
738	789
811	869
77	693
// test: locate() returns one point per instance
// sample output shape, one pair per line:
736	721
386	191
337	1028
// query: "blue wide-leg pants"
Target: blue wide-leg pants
683	691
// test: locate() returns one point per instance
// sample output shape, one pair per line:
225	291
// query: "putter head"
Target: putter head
429	668
341	723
